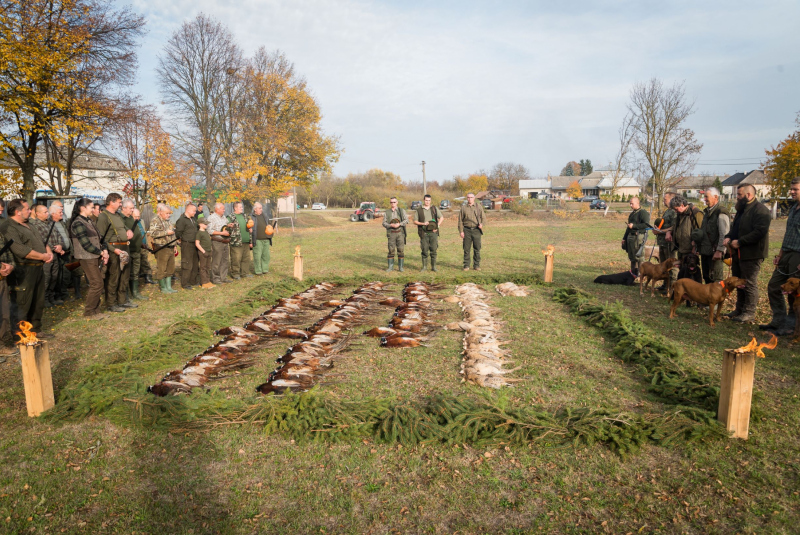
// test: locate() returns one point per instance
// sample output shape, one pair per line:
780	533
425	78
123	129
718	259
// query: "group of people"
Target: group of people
43	256
428	218
713	236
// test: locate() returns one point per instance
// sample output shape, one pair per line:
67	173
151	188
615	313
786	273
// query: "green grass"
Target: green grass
114	470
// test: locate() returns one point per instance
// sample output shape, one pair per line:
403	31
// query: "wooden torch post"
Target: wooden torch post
298	264
36	377
548	263
736	392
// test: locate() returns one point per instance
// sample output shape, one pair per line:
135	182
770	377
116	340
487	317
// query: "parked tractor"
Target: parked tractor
365	212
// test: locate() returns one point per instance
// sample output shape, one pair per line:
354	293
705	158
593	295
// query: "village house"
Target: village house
597	183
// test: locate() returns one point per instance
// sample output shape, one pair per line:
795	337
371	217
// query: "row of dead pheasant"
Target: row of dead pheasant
305	363
235	350
484	356
411	322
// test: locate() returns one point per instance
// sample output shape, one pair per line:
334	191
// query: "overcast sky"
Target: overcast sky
464	85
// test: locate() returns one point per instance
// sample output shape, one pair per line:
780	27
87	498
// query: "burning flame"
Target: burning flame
297	251
549	251
26	335
755	347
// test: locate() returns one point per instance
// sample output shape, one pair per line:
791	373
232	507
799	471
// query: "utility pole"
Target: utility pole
424	184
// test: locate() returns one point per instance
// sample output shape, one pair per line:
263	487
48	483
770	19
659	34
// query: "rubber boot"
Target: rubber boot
391	265
424	264
149	279
400	263
169	286
162	283
135	291
433	263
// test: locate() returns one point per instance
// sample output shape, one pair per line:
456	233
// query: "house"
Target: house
537	188
693	186
286	202
758	179
730	184
597	183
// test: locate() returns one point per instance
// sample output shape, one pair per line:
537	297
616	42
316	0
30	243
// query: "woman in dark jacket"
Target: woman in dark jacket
89	248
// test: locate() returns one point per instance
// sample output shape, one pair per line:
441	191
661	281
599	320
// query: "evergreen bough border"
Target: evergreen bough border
655	356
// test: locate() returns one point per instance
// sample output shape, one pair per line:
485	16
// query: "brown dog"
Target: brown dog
792	287
655	272
713	294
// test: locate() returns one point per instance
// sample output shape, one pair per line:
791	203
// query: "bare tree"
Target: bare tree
663	143
506	176
200	80
622	165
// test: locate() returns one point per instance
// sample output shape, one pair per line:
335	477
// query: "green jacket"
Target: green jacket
436	214
689	220
387	219
138	237
669	217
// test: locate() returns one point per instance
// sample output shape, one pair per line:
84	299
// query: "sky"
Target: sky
464	85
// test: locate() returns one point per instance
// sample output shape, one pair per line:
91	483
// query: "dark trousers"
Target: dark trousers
52	279
713	270
190	275
472	241
747	297
30	296
430	244
786	269
5	314
204	267
116	282
91	268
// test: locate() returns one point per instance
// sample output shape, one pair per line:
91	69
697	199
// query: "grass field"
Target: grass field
133	464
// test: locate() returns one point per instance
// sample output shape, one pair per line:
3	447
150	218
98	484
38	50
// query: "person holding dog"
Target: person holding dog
688	219
749	243
663	231
632	242
787	265
716	224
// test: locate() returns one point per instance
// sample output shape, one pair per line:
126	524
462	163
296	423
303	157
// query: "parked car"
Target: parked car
598	204
444	205
365	212
415	204
487	204
588	198
318	206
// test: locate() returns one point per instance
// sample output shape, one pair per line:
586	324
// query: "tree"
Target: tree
279	142
571	169
574	190
506	176
60	61
199	76
153	169
623	161
663	143
475	183
783	163
718	184
586	167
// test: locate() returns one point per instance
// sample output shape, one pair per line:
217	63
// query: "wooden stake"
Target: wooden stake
298	267
548	268
36	378
736	392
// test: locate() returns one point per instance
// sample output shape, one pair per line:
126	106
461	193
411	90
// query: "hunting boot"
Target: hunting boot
391	264
135	291
162	283
169	286
149	279
424	264
433	263
400	263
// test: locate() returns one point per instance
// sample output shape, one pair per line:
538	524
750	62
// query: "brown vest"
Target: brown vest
94	236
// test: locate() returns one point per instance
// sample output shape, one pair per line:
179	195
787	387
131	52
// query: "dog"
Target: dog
690	268
625	278
713	295
651	273
792	288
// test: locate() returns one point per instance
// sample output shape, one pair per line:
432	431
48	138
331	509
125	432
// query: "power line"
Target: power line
731	159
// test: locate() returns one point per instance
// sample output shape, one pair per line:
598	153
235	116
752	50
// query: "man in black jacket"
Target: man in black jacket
749	242
787	265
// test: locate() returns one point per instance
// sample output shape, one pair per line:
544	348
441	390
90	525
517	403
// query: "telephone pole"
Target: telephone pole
424	184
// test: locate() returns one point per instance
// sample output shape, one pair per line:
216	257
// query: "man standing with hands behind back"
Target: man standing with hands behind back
470	227
220	234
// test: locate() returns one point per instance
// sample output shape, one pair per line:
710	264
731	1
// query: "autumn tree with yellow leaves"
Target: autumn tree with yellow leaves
153	169
783	163
59	62
574	190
